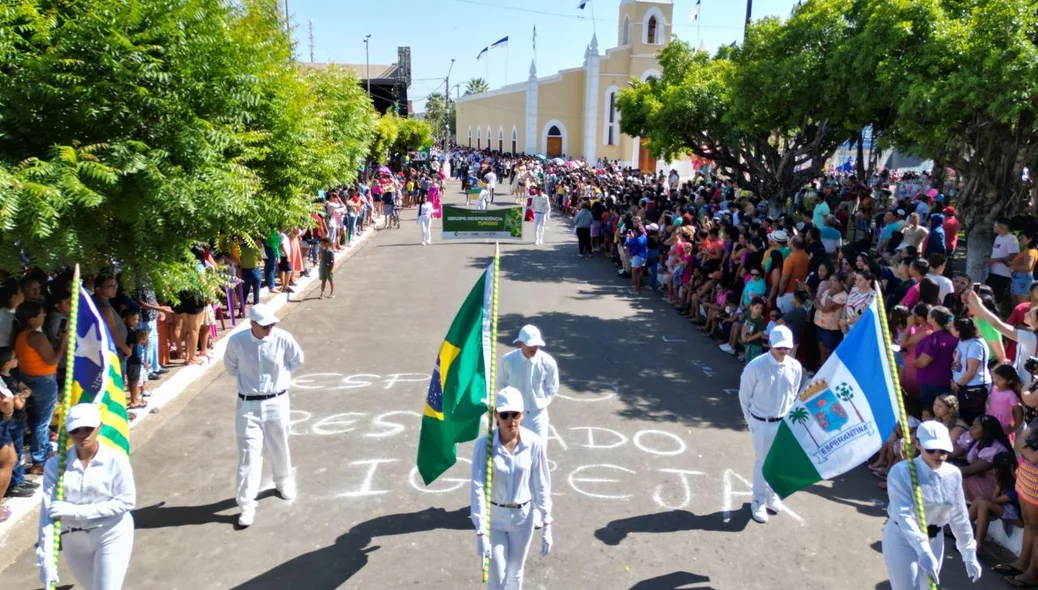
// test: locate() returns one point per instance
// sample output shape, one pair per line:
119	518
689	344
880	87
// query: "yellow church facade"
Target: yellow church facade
573	113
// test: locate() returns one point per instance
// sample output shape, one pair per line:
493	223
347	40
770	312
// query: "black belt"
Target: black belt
67	531
756	417
261	396
512	506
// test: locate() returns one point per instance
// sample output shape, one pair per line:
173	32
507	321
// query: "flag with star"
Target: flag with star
97	376
457	395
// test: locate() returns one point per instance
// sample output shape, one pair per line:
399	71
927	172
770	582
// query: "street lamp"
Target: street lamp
367	63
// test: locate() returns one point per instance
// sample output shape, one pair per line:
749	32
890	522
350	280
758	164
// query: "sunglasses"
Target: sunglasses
508	415
937	452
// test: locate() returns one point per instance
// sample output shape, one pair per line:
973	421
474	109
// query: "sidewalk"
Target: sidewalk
179	380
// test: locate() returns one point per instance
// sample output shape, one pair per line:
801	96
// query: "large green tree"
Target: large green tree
132	129
434	114
960	78
758	110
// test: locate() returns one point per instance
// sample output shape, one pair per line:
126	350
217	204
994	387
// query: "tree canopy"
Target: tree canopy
134	129
476	85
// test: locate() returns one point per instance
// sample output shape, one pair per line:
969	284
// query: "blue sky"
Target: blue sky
438	30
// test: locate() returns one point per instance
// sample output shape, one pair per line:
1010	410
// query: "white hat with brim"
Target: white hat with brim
263	315
530	336
779	235
781	337
83	416
933	436
509	399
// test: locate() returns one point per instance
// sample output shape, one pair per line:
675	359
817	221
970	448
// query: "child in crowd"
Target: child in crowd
13	395
898	325
327	265
135	376
1004	399
1004	503
773	320
753	330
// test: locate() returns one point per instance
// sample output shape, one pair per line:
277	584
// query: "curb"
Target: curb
169	390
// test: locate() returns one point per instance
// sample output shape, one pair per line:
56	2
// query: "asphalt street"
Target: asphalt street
651	458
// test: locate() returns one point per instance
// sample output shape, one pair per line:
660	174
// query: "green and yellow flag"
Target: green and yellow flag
457	396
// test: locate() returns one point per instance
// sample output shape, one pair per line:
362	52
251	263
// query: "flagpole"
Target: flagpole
506	65
66	401
906	436
594	27
491	393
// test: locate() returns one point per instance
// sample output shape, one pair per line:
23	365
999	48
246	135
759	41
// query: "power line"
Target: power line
575	16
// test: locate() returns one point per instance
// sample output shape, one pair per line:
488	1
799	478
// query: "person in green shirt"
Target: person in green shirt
753	330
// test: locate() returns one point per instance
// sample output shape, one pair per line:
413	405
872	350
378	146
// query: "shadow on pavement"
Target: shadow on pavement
331	567
674	521
159	515
673	581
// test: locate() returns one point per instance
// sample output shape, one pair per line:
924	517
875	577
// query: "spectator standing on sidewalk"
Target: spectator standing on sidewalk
262	359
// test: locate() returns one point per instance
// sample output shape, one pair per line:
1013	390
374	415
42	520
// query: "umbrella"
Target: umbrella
384	170
572	164
540	156
559	161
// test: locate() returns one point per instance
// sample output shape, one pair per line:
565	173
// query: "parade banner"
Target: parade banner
462	223
843	415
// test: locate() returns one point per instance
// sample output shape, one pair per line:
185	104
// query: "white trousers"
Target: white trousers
763	435
538	227
902	562
98	558
537	422
510	532
426	225
261	424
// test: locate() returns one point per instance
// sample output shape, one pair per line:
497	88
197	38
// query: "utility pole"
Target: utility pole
288	25
367	63
749	14
447	109
311	24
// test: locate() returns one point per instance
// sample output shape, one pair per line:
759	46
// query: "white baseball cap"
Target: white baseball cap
509	399
934	436
263	315
530	336
83	416
781	337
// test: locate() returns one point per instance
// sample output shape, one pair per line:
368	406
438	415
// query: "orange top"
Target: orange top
30	363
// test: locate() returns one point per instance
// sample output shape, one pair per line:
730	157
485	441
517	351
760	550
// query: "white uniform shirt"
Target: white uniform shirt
537	378
425	210
519	477
540	204
767	387
491	179
262	366
943	502
103	492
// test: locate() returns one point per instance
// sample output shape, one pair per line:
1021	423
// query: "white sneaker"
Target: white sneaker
727	348
758	513
288	491
775	506
247	516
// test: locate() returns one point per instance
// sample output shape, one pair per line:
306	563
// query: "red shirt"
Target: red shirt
951	232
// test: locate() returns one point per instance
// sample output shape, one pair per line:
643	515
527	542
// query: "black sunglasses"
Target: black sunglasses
508	415
936	452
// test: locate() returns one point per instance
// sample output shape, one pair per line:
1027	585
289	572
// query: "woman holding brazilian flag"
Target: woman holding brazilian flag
459	395
88	487
841	418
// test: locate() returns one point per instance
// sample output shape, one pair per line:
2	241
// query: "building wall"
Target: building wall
562	100
498	111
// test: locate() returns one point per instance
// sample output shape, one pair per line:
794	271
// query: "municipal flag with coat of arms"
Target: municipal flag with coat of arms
457	396
842	416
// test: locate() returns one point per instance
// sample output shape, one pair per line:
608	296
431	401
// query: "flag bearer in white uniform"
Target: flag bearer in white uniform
521	487
481	202
767	389
97	528
534	373
262	359
425	211
913	554
541	210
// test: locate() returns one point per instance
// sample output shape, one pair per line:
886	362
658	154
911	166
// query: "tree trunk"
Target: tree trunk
979	238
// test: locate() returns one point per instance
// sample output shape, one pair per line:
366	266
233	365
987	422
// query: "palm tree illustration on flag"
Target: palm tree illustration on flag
800	416
846	394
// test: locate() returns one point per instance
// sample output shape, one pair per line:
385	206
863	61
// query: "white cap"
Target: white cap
934	436
779	235
83	416
530	336
781	337
263	315
509	399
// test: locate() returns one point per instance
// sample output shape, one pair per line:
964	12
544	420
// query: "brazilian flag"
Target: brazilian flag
457	396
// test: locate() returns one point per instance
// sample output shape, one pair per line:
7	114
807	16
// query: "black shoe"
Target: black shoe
19	492
154	377
162	371
27	484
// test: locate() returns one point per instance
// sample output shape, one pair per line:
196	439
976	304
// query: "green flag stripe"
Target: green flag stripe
115	436
788	468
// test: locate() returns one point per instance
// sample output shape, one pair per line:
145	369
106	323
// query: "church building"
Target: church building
573	113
